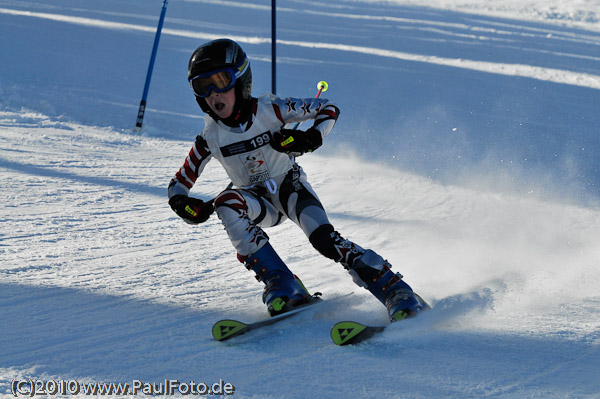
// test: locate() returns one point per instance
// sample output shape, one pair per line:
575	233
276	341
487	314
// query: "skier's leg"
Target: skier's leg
368	269
298	201
241	212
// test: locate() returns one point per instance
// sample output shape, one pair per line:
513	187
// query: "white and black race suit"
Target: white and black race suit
268	186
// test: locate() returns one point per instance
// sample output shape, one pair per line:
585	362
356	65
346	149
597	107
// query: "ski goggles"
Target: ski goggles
219	81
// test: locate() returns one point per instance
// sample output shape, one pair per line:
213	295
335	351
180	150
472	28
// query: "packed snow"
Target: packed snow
466	153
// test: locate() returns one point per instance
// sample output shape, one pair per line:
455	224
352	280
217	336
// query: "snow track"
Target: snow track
100	281
477	183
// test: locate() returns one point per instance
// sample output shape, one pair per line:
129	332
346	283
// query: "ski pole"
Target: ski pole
321	87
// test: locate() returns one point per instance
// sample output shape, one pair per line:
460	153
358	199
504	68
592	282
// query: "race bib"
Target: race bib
256	166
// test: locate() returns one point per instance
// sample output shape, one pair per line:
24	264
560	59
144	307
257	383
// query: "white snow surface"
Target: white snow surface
466	153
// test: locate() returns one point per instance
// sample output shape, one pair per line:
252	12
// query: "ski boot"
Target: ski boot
388	287
283	290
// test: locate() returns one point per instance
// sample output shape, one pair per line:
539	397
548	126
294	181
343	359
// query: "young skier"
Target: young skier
248	136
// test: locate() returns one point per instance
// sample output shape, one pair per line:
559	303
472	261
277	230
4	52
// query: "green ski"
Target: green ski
351	332
225	329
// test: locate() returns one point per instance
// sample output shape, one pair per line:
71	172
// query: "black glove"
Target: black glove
191	210
297	142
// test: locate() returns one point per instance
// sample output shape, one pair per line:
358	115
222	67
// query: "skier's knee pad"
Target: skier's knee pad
332	245
322	239
233	199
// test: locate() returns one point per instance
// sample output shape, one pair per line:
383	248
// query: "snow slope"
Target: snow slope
472	138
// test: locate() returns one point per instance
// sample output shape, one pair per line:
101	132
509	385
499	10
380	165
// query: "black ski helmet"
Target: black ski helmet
221	54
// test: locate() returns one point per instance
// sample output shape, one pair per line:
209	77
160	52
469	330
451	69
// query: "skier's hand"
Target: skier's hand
297	142
191	210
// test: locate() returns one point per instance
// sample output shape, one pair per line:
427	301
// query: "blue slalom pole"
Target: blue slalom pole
142	109
273	48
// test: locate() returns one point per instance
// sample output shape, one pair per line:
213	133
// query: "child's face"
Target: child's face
222	103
